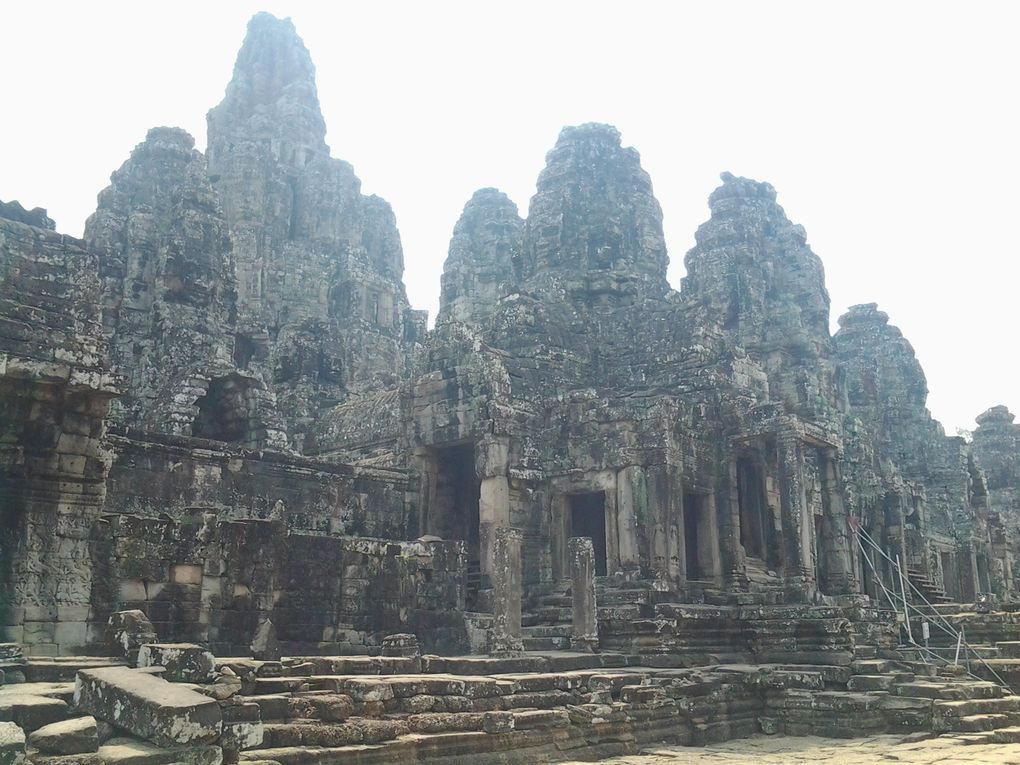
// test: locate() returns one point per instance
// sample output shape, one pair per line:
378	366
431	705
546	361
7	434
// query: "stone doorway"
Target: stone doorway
454	506
700	539
755	525
587	518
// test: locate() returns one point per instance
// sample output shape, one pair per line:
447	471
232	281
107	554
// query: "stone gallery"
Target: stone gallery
254	509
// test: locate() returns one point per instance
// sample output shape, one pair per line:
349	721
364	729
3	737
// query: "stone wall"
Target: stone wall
54	397
155	475
213	581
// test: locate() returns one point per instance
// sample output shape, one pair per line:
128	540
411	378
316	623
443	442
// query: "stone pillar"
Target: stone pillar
797	525
492	459
505	638
584	634
731	552
838	547
631	502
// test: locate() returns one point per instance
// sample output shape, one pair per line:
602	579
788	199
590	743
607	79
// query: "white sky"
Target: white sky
890	129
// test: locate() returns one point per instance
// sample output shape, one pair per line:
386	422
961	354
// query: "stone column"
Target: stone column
584	634
631	502
730	550
505	638
838	547
797	524
492	461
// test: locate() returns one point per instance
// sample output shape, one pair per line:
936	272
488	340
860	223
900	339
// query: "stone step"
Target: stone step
1010	735
546	643
1009	649
982	722
557	601
1006	704
621	597
548	615
865	652
872	666
928	690
875	682
546	630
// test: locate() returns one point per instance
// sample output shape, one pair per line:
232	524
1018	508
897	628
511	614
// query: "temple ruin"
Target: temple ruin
244	485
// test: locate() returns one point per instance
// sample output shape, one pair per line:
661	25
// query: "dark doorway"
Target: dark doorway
223	412
754	522
984	582
949	574
692	542
455	514
588	519
821	562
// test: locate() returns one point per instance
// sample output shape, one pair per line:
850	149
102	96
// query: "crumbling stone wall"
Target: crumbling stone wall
54	396
203	579
156	475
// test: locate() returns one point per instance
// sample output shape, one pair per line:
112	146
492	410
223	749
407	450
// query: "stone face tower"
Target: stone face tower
478	271
593	223
167	281
322	311
753	274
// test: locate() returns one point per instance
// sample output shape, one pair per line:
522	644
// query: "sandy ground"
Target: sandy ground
781	750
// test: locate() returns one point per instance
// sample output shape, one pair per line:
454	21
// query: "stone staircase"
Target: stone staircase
932	592
546	624
944	698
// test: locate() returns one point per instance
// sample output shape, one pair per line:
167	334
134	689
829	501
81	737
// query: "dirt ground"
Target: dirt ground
781	750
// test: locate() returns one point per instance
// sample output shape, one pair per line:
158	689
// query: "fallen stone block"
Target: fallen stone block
77	736
86	758
12	744
31	712
131	751
127	632
183	662
149	707
242	726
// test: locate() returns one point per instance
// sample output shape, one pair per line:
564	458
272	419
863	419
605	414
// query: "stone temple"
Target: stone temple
583	513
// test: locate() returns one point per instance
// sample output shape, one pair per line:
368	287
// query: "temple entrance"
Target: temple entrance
699	538
453	512
754	520
949	575
587	518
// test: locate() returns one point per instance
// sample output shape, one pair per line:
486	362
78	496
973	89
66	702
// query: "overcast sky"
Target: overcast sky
890	129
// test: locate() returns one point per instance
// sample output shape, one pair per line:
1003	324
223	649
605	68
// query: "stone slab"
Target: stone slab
31	712
129	751
183	662
76	736
12	744
147	706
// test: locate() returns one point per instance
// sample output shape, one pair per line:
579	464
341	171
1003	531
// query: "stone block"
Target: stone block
12	744
84	758
127	631
498	722
128	751
77	736
242	727
183	662
70	635
131	590
31	712
186	573
149	707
